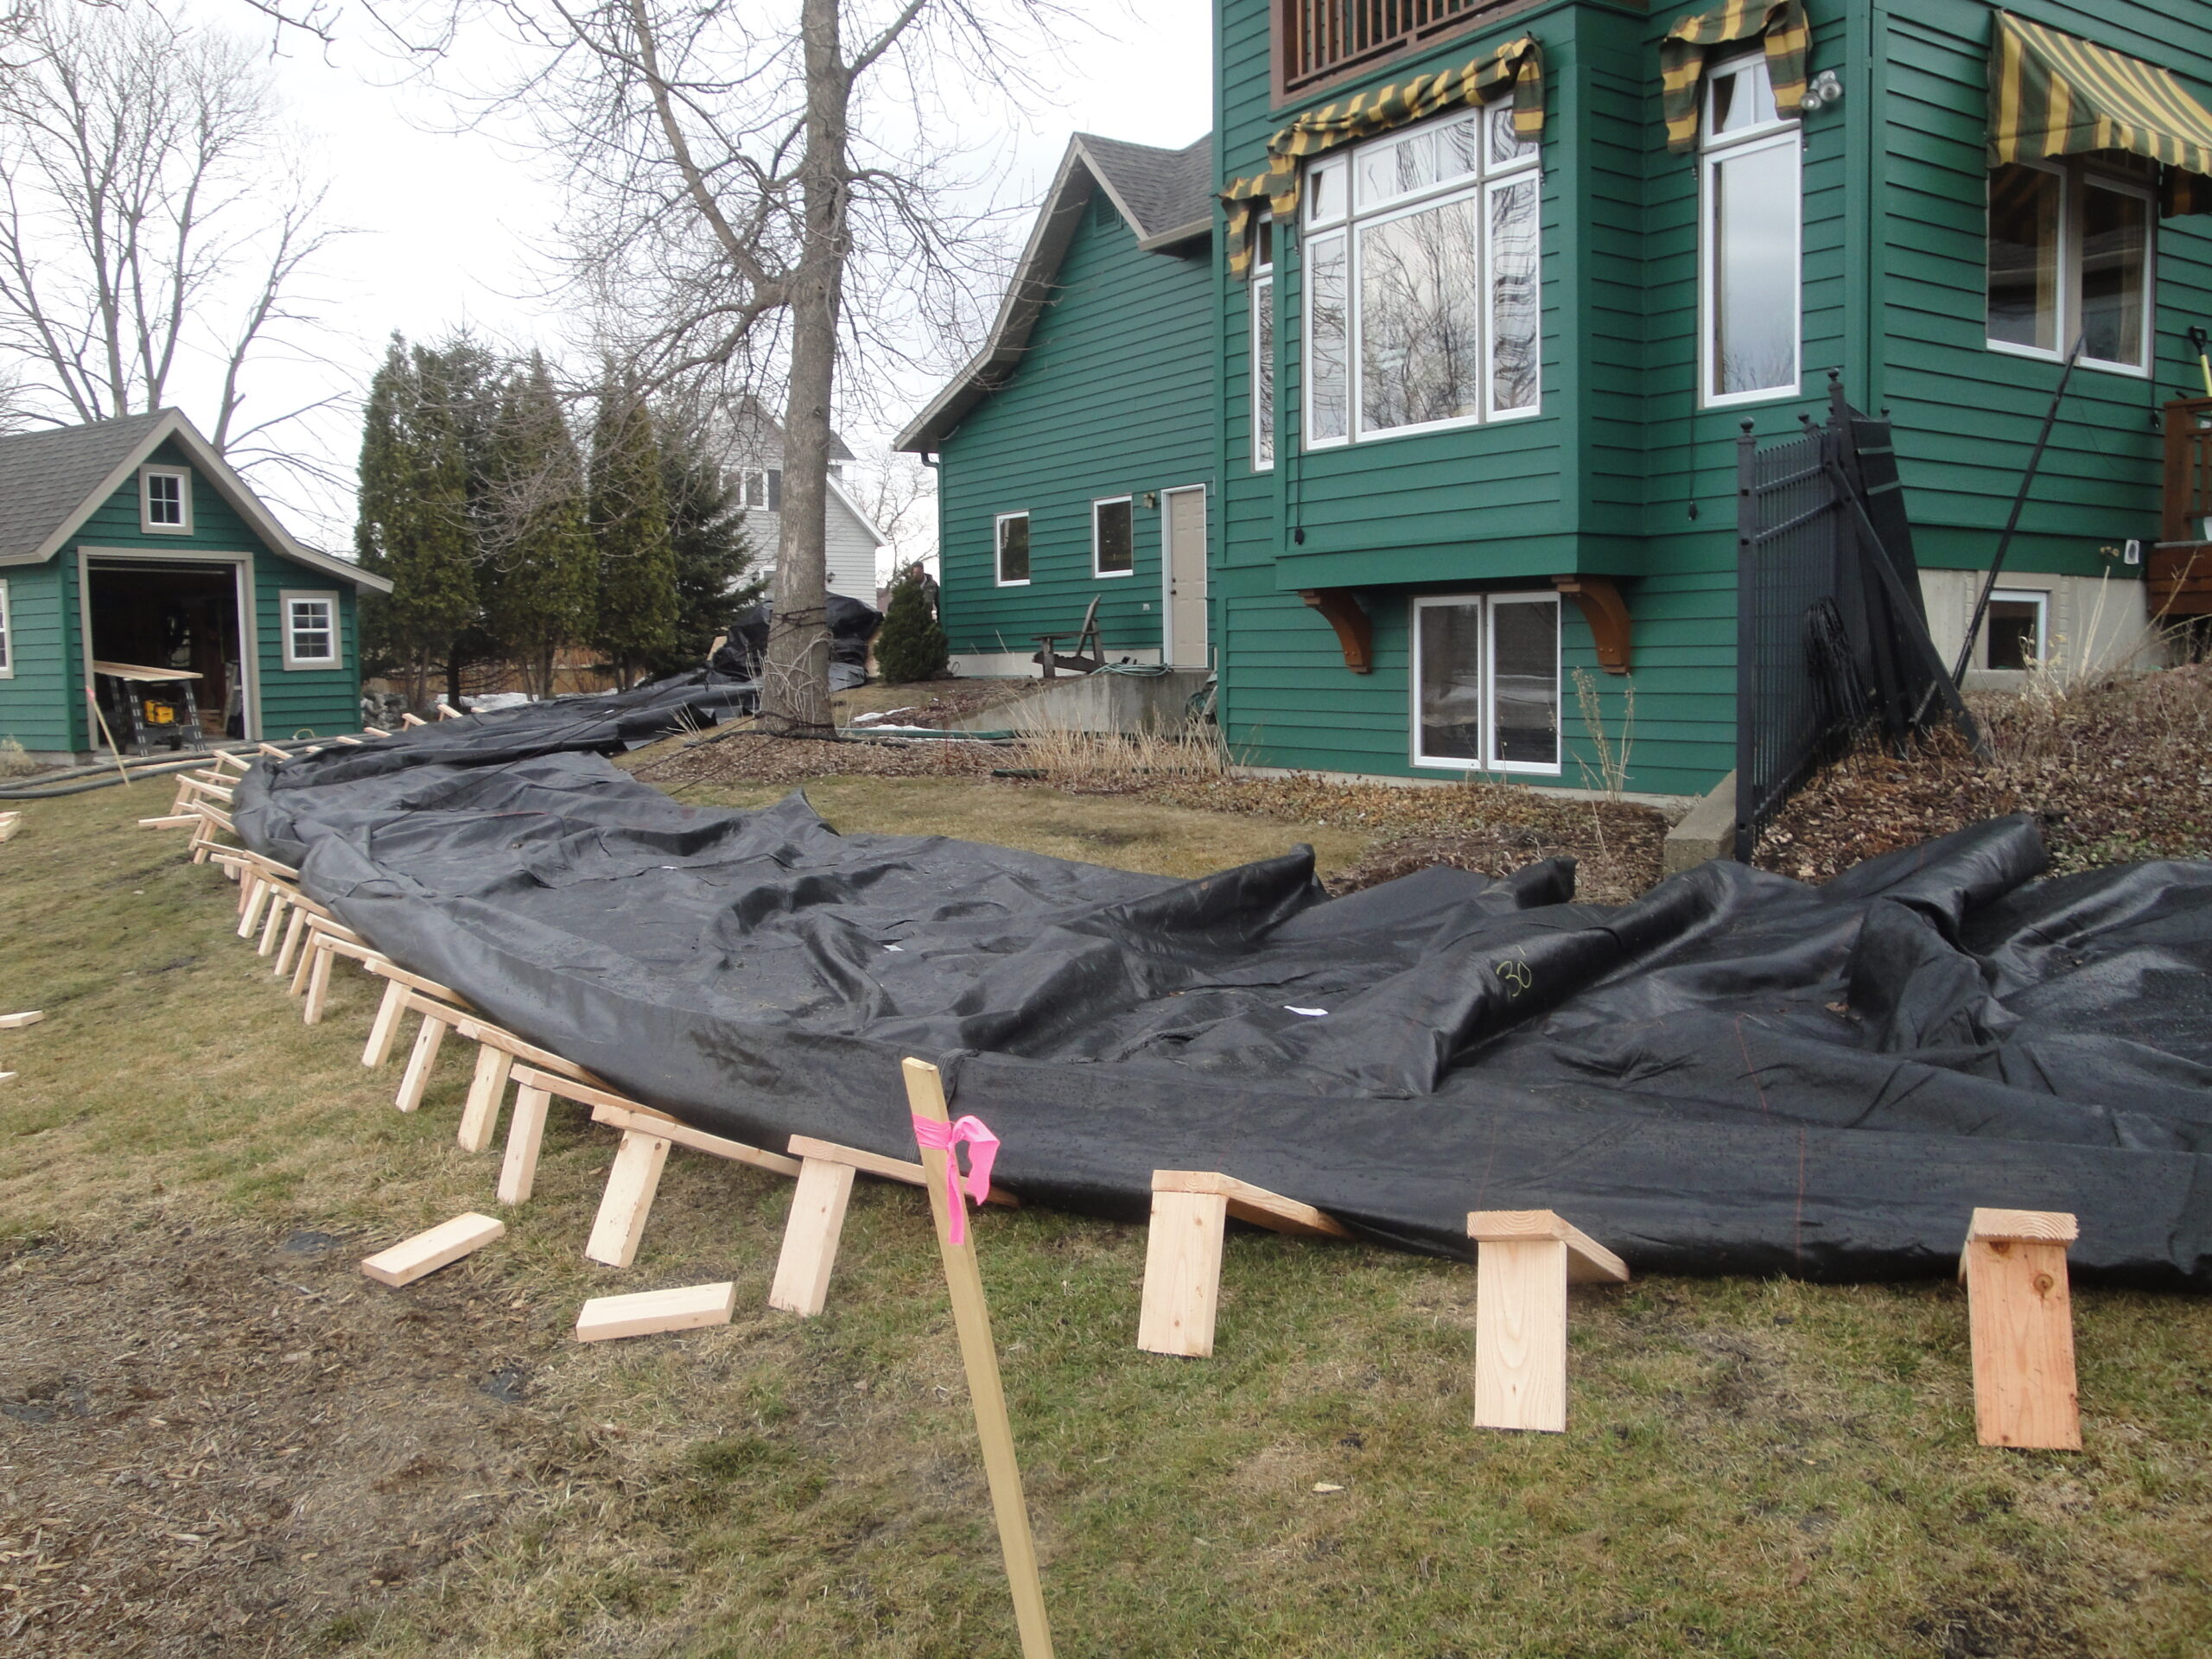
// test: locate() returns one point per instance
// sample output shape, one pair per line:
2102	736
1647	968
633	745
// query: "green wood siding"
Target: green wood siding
1115	396
35	704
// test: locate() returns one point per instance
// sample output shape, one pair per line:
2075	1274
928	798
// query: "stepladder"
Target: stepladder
1525	1259
2021	1313
1190	1210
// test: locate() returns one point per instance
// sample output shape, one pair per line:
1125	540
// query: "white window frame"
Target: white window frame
1262	371
998	548
285	599
1488	760
2075	176
183	475
2038	598
7	636
1785	130
1341	170
1096	574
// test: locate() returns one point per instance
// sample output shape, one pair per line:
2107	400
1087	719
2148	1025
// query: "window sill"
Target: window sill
1111	576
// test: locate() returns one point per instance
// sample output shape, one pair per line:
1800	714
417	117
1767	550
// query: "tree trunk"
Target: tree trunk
795	685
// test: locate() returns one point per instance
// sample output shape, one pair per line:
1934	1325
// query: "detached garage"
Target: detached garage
128	551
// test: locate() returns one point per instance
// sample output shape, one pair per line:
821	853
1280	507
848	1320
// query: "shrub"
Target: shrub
911	645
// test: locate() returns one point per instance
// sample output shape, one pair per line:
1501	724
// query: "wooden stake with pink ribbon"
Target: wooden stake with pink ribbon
939	1136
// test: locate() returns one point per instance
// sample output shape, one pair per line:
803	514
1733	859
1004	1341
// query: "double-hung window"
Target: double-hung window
165	500
761	489
310	630
1010	535
2070	257
1752	205
7	637
1113	544
1263	345
1422	280
1487	682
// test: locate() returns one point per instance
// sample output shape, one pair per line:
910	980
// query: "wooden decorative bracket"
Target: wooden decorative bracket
1355	629
1606	613
1525	1260
2022	1319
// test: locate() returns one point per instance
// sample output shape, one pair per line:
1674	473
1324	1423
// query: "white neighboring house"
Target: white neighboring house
756	464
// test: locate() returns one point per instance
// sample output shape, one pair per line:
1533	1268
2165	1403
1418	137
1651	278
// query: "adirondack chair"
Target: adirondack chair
1087	636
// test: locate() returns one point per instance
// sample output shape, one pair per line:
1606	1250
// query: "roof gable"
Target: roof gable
1167	196
51	482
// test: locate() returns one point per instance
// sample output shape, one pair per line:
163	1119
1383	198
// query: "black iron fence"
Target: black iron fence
1832	643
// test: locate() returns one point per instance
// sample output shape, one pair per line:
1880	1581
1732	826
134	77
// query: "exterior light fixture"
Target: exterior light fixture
1825	90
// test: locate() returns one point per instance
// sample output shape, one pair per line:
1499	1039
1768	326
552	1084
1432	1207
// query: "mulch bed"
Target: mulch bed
2114	772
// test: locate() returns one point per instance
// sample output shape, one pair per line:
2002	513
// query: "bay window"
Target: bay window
1751	204
2070	257
1487	682
1422	280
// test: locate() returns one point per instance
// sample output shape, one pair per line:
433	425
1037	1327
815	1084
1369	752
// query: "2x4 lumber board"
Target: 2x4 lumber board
2021	1315
1182	1273
1252	1203
525	1135
874	1163
971	1318
585	1094
1521	1334
385	1026
391	971
17	1021
811	1236
646	1313
413	720
491	1036
486	1088
425	1253
414	1081
647	1122
10	823
179	820
1588	1262
631	1185
7	1077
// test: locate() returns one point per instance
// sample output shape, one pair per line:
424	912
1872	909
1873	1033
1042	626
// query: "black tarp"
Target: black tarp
851	622
1735	1073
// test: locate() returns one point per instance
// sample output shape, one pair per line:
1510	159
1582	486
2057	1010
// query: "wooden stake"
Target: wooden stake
630	1188
485	1090
810	1237
971	1317
526	1132
650	1310
1525	1259
2021	1313
416	1079
114	747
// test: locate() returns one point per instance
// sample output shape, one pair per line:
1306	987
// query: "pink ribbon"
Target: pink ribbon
982	1149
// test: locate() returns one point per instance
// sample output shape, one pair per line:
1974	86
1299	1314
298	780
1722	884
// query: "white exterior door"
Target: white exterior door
1183	540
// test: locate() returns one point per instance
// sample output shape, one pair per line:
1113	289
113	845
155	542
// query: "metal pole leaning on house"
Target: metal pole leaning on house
972	1318
2012	522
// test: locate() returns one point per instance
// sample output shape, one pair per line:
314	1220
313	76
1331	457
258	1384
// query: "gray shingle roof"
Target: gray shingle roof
44	476
1164	190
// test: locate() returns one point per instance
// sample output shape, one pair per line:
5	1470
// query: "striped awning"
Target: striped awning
1518	65
1780	24
2051	94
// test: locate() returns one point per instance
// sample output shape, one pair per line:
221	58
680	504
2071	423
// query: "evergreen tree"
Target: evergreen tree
382	487
629	522
912	644
706	527
541	571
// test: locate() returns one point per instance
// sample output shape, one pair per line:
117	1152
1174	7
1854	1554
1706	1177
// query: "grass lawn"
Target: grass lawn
217	1436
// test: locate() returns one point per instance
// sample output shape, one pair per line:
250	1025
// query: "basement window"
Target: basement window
2070	257
310	630
1013	538
2014	630
1113	551
165	500
1486	683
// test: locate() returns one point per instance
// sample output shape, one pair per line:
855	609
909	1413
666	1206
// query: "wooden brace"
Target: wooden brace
1524	1261
2021	1313
1182	1268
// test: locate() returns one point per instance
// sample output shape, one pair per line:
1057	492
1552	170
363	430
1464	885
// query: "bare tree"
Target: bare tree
755	188
150	222
899	493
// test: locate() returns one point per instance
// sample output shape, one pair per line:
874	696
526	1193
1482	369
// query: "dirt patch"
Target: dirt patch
2114	772
935	704
216	1440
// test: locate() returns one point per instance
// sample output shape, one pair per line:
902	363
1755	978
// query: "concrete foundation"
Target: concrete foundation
1103	702
1708	832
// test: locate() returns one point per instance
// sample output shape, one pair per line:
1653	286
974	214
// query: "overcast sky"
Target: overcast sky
446	221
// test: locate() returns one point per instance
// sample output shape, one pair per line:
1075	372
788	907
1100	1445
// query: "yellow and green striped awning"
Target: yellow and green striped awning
1780	24
2051	94
1518	65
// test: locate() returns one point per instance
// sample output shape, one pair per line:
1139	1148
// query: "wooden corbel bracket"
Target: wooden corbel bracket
1355	629
1606	612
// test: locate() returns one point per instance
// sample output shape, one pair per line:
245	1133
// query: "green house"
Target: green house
130	542
1492	290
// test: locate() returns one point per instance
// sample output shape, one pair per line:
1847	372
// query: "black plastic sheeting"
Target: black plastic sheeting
1737	1073
851	623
